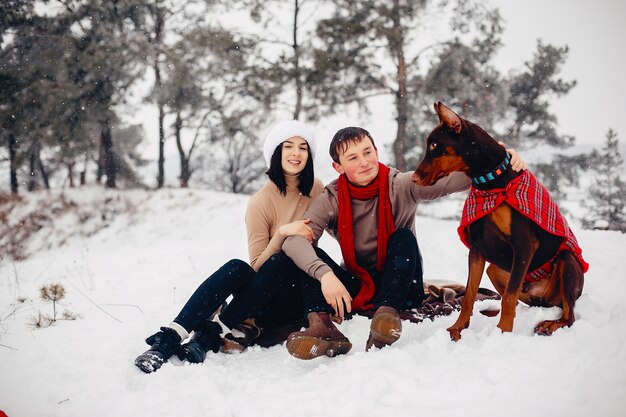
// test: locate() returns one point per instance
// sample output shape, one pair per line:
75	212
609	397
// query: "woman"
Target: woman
265	293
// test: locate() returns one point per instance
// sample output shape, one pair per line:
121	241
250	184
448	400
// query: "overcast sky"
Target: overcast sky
595	32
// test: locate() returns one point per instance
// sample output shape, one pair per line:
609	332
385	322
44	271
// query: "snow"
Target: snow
132	263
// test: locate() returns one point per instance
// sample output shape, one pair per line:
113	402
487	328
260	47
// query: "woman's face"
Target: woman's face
295	153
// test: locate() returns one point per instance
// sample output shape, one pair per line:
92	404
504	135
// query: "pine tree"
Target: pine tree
531	93
561	172
368	49
608	193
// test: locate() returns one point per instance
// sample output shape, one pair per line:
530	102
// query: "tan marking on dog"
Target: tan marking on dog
535	293
428	173
501	217
446	164
543	290
450	163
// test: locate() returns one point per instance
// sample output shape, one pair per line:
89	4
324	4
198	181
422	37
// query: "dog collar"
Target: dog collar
490	176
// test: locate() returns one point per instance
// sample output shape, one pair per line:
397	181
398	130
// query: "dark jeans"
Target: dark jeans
271	295
398	285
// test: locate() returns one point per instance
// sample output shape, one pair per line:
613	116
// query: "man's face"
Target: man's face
359	162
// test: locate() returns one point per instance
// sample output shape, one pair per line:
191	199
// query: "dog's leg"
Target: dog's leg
476	268
569	277
499	278
524	247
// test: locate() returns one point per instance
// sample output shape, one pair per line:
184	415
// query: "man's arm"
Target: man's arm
321	213
303	255
453	183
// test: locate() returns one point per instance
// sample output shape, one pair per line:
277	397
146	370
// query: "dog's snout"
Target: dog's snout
421	173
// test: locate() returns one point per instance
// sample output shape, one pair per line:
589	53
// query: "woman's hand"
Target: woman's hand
299	227
517	163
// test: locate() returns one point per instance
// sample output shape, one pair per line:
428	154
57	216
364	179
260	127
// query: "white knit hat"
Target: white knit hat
283	131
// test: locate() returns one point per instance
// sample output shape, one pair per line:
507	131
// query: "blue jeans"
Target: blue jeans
271	295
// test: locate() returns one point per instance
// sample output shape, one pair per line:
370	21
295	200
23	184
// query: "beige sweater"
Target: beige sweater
267	210
404	196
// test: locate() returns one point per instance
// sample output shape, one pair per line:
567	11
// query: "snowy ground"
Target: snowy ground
134	275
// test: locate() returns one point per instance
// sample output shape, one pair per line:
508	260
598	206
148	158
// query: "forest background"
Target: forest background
156	93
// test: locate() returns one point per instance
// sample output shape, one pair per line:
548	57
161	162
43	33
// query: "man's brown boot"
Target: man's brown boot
385	329
319	339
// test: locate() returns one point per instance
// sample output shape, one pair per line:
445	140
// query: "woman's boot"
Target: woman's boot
204	340
319	339
241	336
163	345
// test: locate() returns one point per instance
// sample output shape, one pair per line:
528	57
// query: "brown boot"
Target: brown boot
319	339
385	329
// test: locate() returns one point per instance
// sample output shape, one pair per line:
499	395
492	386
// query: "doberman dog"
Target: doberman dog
514	245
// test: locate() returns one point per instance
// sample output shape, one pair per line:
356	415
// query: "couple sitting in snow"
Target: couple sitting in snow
290	282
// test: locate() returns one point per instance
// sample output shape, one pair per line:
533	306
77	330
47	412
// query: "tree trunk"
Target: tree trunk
36	164
32	181
185	172
296	63
100	170
13	162
161	174
83	173
110	167
42	171
158	30
70	173
397	45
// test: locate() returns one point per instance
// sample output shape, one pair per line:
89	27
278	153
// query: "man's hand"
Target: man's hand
517	163
299	227
336	294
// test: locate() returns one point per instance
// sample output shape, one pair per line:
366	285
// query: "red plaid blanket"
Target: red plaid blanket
529	197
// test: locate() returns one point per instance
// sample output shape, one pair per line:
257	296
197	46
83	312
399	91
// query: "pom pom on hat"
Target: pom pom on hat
283	131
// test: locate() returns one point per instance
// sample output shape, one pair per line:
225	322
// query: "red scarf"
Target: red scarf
379	188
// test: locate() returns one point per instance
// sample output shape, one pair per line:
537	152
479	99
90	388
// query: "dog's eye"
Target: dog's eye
432	146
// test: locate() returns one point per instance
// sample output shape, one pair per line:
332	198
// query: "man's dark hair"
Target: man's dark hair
277	176
344	137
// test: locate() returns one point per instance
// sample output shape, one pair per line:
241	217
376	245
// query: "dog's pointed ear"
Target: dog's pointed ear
448	117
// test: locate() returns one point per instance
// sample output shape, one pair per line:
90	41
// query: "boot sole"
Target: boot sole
309	347
386	329
149	363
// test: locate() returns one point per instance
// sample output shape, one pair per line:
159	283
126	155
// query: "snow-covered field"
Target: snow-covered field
133	275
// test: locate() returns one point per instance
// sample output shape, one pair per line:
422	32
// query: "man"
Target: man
370	209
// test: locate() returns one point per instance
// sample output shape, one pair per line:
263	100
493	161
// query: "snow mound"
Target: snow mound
130	265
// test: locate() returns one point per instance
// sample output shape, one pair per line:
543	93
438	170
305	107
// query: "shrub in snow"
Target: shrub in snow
52	293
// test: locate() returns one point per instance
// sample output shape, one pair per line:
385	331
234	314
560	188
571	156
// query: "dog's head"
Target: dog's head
444	147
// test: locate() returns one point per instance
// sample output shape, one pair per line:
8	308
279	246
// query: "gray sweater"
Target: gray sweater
323	211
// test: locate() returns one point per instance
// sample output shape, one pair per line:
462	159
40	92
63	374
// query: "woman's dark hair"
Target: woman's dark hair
277	176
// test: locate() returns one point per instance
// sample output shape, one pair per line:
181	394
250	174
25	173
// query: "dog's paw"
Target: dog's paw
455	334
547	327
